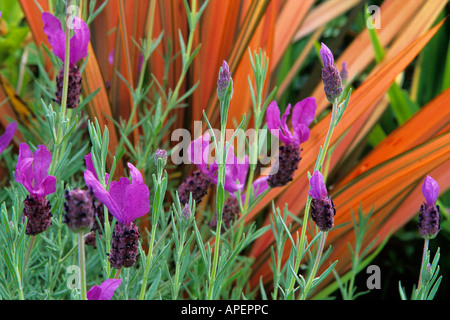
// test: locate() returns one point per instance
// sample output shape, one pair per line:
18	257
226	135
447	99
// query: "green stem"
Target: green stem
19	280
222	154
82	265
425	250
117	275
30	248
312	275
148	263
59	135
177	268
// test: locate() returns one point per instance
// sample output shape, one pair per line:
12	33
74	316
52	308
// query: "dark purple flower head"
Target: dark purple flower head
430	190
283	170
223	80
57	37
229	215
330	75
6	137
124	246
302	116
126	200
32	171
322	207
38	214
318	189
105	291
79	210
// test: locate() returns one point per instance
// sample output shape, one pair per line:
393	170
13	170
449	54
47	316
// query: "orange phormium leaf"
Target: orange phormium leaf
424	125
377	188
322	14
33	17
288	22
103	37
218	28
99	106
246	32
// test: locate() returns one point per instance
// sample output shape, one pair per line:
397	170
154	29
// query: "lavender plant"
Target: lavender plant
429	227
72	227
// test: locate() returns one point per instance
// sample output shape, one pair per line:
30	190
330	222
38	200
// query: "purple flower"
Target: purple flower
78	50
330	75
90	167
126	200
430	190
235	172
322	207
57	37
429	217
318	189
302	116
289	154
32	171
198	152
6	138
105	291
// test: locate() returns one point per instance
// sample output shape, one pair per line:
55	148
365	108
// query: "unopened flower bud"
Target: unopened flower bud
330	75
161	154
186	213
223	81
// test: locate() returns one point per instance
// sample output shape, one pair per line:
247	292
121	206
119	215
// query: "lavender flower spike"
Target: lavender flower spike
199	181
289	154
78	50
6	138
429	217
105	291
32	173
126	201
330	75
322	207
